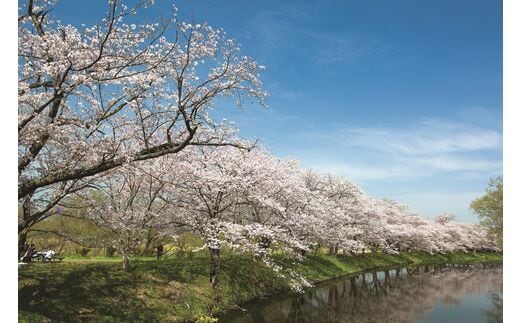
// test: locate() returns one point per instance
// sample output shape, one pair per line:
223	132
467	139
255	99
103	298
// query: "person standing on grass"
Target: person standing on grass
160	250
48	256
27	256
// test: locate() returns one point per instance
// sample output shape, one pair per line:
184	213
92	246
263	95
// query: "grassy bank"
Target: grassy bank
178	289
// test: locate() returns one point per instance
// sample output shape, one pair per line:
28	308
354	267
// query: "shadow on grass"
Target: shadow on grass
102	292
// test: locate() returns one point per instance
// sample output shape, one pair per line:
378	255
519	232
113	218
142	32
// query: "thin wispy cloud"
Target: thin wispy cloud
429	137
346	47
291	28
422	149
365	172
451	163
481	116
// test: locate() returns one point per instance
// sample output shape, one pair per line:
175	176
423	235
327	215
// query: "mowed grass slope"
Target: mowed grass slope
178	289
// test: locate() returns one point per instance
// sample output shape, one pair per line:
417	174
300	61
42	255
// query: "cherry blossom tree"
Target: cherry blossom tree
228	196
341	204
444	218
129	204
93	98
402	228
461	236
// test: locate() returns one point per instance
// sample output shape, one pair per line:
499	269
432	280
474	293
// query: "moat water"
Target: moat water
434	293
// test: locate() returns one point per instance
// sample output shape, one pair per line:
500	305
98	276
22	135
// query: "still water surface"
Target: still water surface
440	293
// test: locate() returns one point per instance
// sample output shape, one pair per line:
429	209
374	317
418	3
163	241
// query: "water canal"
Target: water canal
434	293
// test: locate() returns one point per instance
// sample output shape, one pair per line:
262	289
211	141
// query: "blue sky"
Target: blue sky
402	97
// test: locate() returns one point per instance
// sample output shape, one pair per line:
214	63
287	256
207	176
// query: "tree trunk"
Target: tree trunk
22	238
263	245
214	258
353	287
126	262
149	243
23	228
388	279
316	250
375	281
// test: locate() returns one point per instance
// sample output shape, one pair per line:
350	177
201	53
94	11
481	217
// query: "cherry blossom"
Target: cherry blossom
94	98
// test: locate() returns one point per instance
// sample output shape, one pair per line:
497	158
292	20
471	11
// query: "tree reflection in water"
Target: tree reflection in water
397	295
494	314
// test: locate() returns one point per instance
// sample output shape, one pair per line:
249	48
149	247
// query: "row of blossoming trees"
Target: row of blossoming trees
115	117
249	201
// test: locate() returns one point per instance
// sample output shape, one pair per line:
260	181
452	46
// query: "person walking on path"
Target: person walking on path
160	250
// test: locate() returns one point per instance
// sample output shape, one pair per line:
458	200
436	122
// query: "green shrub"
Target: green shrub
83	251
110	251
206	319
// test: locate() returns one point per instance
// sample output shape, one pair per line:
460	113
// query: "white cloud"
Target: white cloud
428	137
423	149
452	163
364	172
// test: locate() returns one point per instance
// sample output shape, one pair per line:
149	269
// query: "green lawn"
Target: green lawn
95	289
104	259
